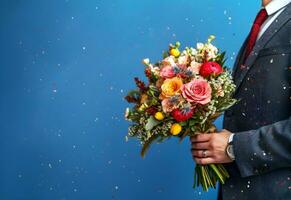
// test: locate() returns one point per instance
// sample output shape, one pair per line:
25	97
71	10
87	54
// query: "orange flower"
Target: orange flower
171	87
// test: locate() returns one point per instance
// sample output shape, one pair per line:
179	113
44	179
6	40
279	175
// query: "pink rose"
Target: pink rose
197	91
167	72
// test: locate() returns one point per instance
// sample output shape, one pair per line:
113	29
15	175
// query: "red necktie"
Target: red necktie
260	19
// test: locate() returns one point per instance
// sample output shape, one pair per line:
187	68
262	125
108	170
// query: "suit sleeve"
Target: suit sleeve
262	150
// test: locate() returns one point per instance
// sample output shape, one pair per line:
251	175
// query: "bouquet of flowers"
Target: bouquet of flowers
186	91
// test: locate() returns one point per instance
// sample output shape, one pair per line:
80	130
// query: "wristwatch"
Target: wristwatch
229	148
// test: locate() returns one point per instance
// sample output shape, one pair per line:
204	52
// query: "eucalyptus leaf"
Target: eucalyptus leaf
151	123
227	105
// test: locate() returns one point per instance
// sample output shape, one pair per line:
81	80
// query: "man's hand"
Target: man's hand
210	148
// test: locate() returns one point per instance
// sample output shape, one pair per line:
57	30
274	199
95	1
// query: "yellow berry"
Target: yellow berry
175	52
159	116
176	129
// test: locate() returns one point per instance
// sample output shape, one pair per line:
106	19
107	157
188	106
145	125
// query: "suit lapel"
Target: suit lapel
268	34
240	57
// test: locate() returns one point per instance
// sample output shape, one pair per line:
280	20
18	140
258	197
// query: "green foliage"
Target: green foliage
153	91
151	123
165	54
220	59
224	105
133	115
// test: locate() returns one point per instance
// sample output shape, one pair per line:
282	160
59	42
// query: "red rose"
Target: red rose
209	68
182	115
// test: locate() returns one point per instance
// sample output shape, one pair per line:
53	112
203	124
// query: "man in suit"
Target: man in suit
255	144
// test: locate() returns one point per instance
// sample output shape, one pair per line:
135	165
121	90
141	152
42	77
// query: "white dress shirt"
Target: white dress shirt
274	9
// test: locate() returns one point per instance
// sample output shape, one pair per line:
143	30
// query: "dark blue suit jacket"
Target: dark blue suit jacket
261	120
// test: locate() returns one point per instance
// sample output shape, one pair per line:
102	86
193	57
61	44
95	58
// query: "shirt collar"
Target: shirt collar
276	5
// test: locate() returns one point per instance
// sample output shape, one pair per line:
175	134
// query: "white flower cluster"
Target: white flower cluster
223	84
211	111
208	50
202	50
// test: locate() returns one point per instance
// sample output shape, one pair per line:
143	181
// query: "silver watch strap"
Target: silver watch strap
230	139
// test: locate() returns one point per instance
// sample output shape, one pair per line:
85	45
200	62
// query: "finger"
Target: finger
193	137
200	145
204	137
204	161
200	154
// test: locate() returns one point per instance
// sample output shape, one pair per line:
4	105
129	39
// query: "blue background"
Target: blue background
65	67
